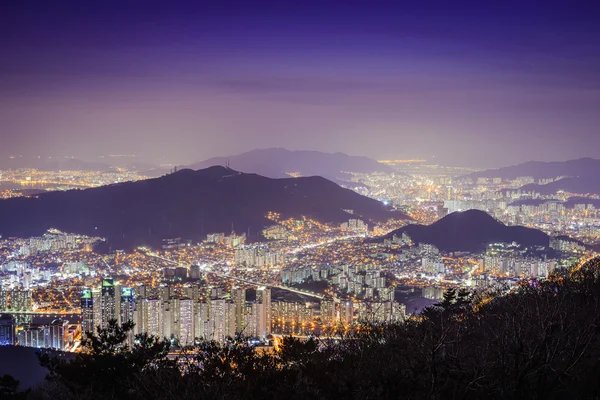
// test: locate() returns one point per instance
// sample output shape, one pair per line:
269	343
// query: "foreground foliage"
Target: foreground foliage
540	340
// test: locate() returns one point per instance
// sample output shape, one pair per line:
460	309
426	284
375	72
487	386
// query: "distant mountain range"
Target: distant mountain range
279	163
471	231
543	170
570	203
580	185
187	204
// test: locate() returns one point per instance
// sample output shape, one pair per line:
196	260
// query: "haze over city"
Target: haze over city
181	82
299	200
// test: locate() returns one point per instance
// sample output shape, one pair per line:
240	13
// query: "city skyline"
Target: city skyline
189	82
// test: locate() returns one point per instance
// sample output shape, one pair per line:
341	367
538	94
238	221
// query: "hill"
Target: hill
187	204
471	231
542	170
279	162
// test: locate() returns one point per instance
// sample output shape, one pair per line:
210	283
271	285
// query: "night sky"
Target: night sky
485	83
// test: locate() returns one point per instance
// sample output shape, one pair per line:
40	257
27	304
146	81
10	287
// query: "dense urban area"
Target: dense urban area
303	278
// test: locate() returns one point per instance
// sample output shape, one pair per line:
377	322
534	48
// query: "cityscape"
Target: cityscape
299	200
303	278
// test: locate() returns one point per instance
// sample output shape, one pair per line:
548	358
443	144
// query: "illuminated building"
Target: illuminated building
3	300
259	256
7	330
127	306
55	334
328	313
96	298
20	300
107	302
154	311
50	336
238	295
87	311
31	336
263	299
186	322
346	312
221	320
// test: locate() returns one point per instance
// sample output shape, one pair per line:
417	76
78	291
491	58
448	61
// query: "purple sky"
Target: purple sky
469	83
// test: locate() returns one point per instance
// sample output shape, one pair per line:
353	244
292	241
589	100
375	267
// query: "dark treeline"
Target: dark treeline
541	340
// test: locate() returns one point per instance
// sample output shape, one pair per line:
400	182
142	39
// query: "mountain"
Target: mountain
187	204
580	185
542	170
471	231
279	163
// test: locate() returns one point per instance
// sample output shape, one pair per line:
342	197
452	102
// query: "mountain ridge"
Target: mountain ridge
187	204
542	169
279	162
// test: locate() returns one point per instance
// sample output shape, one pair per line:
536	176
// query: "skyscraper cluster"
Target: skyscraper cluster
183	317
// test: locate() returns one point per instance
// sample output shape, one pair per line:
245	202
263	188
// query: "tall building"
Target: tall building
140	315
127	306
328	314
7	330
87	311
107	302
3	300
238	296
126	310
32	336
96	298
55	334
186	322
263	299
347	312
155	317
201	321
50	336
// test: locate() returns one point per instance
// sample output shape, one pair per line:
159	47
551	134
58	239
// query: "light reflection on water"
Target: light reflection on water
38	319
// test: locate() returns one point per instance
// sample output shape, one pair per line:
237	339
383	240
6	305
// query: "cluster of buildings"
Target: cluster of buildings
259	255
55	335
211	315
233	240
56	241
66	179
346	312
15	300
512	265
276	232
361	280
355	225
28	263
